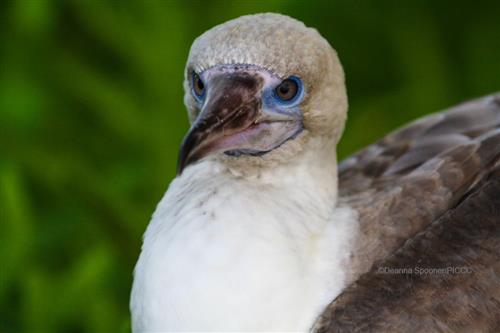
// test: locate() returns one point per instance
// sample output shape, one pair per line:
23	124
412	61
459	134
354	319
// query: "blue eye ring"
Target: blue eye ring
197	86
289	90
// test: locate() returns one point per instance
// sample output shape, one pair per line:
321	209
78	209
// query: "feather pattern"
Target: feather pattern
427	196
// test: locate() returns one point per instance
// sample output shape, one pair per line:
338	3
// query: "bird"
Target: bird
263	230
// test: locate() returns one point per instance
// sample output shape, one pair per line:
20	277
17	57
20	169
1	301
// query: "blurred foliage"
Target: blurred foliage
91	117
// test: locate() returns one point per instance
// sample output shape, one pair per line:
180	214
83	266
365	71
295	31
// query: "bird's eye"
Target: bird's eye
288	89
198	86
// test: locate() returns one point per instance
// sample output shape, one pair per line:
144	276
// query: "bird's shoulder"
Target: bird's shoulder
445	278
408	179
427	197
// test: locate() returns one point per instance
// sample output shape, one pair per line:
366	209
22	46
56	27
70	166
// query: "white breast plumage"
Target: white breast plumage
225	253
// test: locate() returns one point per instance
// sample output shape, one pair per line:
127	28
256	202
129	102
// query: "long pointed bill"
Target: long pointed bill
232	120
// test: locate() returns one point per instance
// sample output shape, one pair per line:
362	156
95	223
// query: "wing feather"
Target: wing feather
445	279
430	174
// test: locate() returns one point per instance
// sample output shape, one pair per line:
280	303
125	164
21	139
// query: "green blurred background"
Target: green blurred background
91	117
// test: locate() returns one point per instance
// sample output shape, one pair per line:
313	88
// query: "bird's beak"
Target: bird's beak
232	119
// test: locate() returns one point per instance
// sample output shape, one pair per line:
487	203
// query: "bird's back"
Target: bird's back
428	199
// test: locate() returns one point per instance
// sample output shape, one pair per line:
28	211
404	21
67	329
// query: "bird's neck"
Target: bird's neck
310	177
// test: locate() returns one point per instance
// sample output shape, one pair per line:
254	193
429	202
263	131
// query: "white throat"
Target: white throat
229	250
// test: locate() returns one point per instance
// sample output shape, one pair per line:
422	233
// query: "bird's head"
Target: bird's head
261	89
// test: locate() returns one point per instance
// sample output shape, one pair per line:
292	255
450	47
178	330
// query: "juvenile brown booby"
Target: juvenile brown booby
262	231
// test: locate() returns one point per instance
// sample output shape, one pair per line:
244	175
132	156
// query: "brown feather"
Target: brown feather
426	195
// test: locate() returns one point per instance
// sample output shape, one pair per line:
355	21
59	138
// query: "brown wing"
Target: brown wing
412	190
445	279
